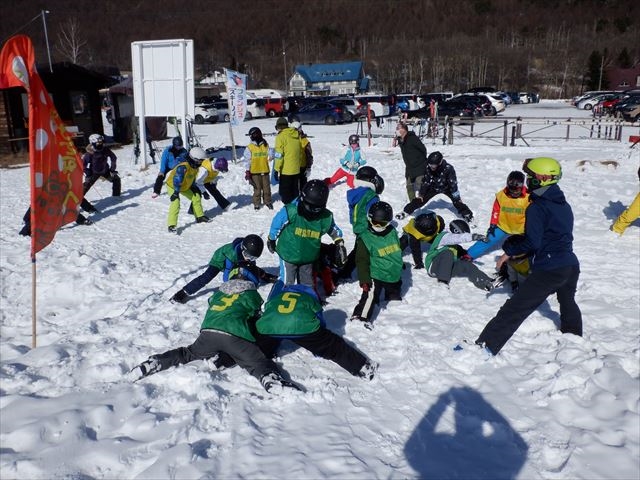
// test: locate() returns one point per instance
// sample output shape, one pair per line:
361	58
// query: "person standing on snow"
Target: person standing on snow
256	157
288	157
306	159
414	155
181	180
440	178
208	177
629	215
171	157
548	237
242	250
349	163
100	161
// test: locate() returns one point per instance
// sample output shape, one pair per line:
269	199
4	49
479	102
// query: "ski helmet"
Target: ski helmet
296	125
314	196
177	142
459	226
541	172
96	140
366	173
515	181
196	156
434	160
221	164
281	123
252	246
429	224
380	215
354	139
255	134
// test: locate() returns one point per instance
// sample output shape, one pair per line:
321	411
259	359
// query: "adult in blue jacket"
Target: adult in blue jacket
548	237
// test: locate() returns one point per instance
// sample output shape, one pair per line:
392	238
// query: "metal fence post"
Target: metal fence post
450	132
568	129
513	136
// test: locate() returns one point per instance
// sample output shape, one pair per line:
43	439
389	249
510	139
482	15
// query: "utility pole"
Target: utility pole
601	69
46	38
284	63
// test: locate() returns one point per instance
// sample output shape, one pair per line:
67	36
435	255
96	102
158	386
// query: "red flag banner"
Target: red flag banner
56	166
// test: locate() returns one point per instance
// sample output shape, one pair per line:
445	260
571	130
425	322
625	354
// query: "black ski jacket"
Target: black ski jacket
414	155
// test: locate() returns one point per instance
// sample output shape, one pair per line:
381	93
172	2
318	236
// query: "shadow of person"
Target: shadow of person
463	437
613	210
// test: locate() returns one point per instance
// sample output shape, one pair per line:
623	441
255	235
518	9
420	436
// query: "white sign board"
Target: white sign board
163	77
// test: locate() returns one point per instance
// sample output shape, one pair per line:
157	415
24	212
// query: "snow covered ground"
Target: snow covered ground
550	406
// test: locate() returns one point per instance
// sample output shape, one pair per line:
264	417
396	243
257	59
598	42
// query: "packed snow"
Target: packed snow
549	406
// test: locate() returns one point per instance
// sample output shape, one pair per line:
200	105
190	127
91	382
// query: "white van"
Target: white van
379	105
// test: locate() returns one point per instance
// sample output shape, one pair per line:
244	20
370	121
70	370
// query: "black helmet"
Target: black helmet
459	226
315	193
434	160
366	173
252	246
429	223
515	181
354	139
378	181
380	215
177	142
255	134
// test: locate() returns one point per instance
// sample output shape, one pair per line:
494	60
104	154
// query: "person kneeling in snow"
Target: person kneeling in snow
228	328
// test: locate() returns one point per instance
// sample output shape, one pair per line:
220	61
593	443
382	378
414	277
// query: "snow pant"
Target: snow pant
220	199
407	240
116	184
291	274
371	297
326	344
174	207
428	194
493	241
157	185
26	228
445	266
539	285
211	342
261	189
628	216
339	174
302	178
288	187
413	185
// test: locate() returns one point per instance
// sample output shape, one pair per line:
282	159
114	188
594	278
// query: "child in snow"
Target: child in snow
379	262
306	160
256	157
515	269
423	228
629	215
349	163
507	215
100	161
208	177
294	312
443	258
296	233
227	329
241	251
171	157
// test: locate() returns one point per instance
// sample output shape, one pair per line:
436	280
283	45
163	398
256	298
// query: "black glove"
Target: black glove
276	176
418	266
401	215
206	195
271	245
174	196
114	172
269	278
195	189
478	237
180	296
491	231
341	253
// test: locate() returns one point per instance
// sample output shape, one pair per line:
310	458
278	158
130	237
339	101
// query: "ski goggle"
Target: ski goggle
248	256
312	208
378	226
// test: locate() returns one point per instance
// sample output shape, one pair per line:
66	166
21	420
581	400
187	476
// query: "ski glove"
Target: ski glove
271	245
365	287
341	253
174	196
247	175
180	296
491	232
455	195
269	278
419	266
206	195
478	237
401	215
195	190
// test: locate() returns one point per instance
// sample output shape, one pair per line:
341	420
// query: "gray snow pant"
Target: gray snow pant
211	342
445	266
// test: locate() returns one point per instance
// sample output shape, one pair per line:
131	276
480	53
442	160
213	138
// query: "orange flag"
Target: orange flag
56	166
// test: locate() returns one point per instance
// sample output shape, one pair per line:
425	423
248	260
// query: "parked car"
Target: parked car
350	103
205	114
589	94
379	104
590	102
483	100
325	113
631	113
406	102
623	104
222	106
451	108
275	107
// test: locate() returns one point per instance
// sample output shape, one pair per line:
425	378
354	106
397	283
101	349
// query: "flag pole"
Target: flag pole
33	302
233	144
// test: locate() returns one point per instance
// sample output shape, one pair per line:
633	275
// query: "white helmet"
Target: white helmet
197	153
295	125
95	138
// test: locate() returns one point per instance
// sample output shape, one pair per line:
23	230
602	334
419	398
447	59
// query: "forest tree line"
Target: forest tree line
556	47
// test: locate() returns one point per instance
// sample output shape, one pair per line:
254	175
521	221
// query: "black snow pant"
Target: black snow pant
289	188
116	184
445	266
26	229
371	297
539	285
428	194
211	342
217	196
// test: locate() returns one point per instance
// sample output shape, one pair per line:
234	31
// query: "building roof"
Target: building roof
331	72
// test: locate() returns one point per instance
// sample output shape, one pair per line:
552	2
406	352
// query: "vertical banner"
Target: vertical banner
56	166
237	96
